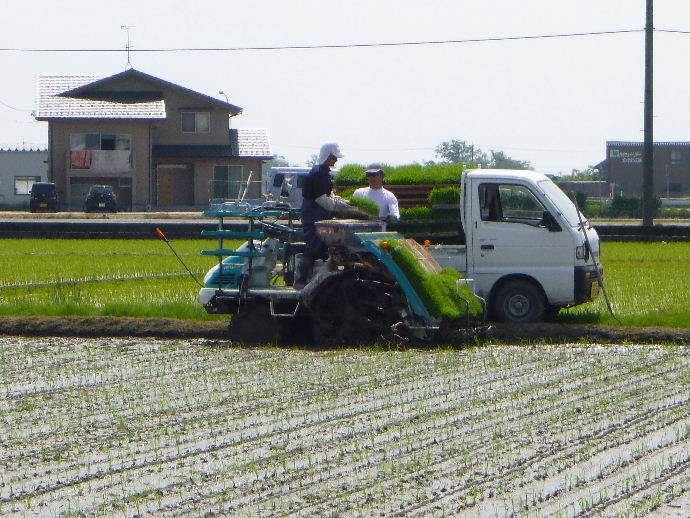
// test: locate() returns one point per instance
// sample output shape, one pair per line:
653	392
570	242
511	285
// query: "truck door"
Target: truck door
510	237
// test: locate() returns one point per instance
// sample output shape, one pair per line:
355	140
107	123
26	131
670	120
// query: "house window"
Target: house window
196	122
106	141
676	157
22	184
226	182
82	144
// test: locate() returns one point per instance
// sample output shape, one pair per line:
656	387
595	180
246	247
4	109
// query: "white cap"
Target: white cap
328	149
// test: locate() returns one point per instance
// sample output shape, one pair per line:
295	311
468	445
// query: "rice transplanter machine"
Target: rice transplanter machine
357	294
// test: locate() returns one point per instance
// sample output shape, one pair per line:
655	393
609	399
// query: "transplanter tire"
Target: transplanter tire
357	306
254	324
518	301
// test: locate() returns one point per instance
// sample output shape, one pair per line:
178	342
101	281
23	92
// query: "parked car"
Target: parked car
43	196
100	198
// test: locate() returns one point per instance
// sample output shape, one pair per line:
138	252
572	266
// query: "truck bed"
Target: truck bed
451	256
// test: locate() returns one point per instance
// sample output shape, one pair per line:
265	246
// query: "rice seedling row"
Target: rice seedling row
349	491
190	428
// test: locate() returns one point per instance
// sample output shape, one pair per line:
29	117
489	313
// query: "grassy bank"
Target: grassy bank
108	277
648	282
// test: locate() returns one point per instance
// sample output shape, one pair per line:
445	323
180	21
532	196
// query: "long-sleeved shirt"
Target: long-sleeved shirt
317	183
386	200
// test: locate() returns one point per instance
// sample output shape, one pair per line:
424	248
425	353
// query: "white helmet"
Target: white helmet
328	149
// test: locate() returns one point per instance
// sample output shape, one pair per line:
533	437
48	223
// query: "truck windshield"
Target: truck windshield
560	201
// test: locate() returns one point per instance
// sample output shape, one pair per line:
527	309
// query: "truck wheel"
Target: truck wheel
518	301
357	306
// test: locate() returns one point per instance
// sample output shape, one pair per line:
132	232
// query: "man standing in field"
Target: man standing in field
386	200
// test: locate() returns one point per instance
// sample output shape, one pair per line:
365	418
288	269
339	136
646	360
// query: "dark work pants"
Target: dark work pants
315	249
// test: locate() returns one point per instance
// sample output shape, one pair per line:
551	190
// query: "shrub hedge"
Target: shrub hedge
410	174
445	196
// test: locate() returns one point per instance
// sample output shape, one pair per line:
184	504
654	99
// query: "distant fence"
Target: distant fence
439	231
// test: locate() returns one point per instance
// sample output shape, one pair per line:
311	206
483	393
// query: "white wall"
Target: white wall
19	163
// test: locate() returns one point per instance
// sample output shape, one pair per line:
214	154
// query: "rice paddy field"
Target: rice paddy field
648	282
123	427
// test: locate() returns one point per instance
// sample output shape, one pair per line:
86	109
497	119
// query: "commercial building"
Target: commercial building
623	168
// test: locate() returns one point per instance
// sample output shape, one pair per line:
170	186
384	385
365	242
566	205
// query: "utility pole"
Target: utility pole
648	153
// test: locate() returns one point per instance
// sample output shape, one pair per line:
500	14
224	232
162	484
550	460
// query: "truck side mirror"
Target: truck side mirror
548	221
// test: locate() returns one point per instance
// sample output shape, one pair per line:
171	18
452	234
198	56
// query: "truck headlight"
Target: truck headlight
582	252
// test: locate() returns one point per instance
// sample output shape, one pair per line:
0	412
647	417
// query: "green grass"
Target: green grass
75	269
354	174
648	283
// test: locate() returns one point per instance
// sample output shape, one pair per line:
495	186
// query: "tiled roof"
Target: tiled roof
49	105
23	150
244	143
251	142
132	73
620	143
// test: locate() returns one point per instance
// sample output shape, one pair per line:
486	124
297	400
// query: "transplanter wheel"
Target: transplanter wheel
355	307
254	324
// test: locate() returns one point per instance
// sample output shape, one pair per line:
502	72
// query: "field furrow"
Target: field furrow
164	428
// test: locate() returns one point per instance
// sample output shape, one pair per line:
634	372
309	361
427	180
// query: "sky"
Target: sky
552	102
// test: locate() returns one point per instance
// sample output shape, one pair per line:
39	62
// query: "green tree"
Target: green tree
587	174
499	160
459	151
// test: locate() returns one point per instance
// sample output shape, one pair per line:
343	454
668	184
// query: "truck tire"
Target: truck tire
358	306
518	301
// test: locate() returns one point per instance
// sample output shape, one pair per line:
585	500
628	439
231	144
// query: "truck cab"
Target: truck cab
525	249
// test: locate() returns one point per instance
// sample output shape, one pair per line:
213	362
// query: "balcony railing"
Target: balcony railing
100	160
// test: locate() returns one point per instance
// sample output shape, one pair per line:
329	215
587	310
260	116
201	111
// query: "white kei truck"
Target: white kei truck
525	252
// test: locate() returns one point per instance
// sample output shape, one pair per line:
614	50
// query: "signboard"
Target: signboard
626	157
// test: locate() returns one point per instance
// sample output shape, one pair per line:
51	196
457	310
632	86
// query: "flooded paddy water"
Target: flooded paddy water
135	427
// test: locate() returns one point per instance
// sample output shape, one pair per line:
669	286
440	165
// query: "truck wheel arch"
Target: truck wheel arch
517	279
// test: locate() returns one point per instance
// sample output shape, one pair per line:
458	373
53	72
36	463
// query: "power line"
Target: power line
14	108
493	147
337	45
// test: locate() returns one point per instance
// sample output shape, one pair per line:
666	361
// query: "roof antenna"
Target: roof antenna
128	46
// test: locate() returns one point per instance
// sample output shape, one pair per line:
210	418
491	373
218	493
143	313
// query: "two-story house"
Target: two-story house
160	145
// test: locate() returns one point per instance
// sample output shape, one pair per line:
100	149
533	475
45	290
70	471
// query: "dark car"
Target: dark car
43	196
100	197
